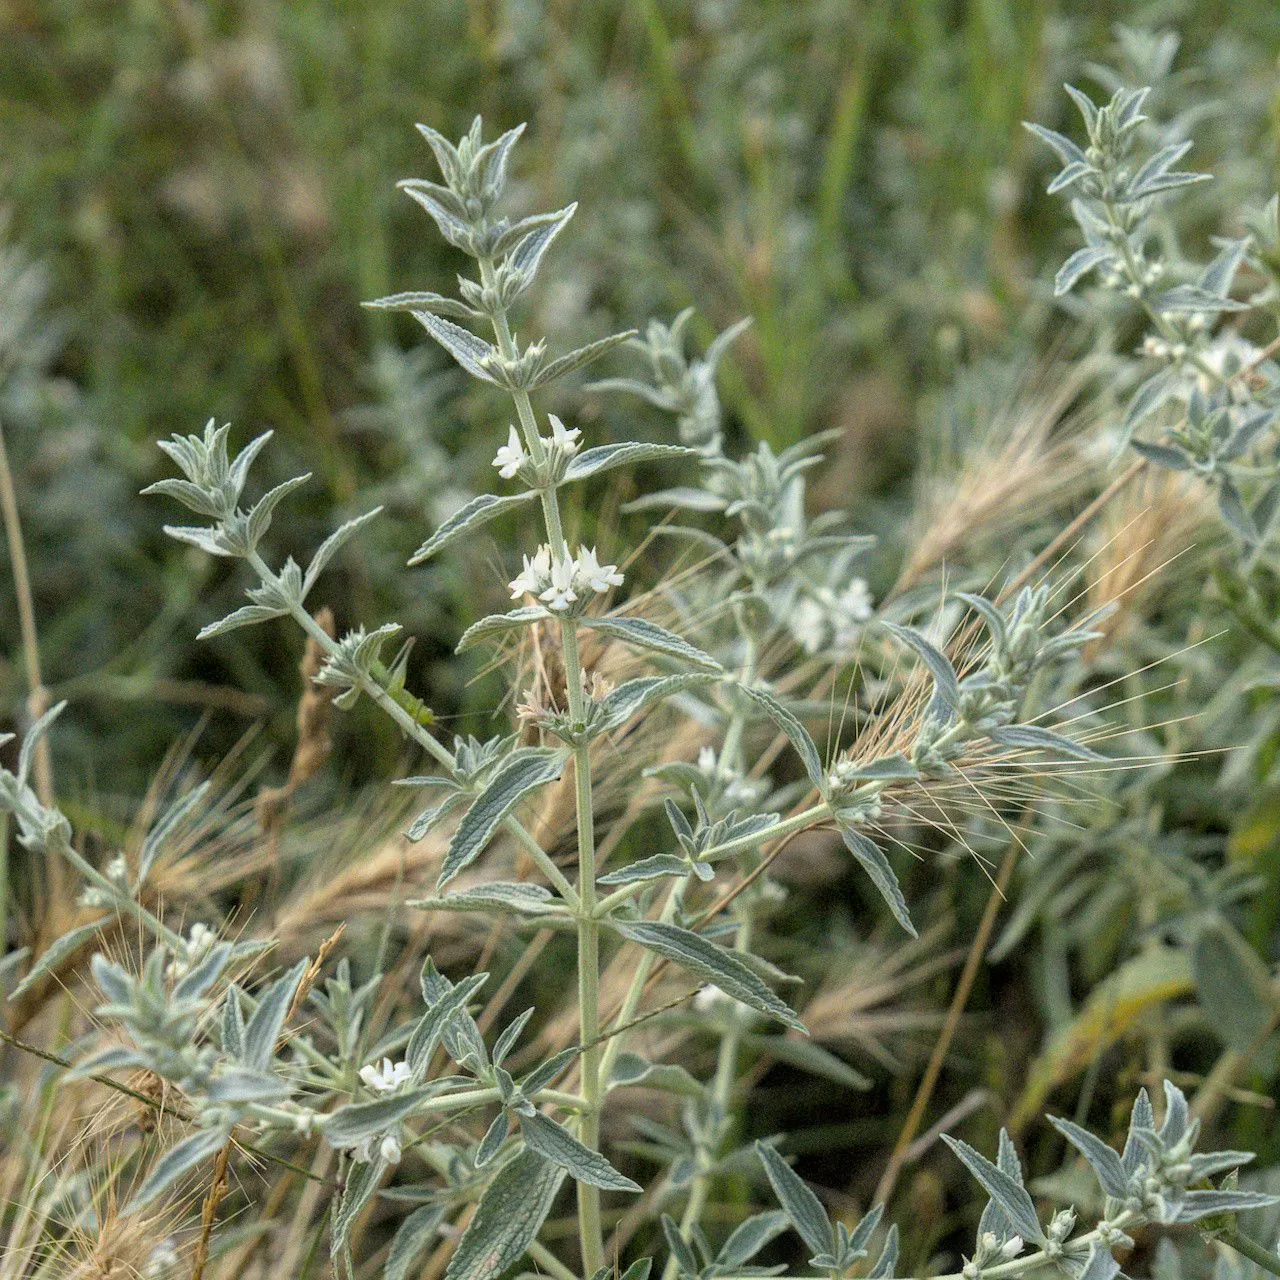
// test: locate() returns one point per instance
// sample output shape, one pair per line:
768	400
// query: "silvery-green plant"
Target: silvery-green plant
777	579
1212	396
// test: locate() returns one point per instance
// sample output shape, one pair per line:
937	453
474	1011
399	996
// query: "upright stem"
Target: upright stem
589	1226
722	1098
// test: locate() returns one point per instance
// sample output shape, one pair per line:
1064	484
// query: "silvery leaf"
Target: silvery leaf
605	457
795	731
480	510
945	683
1104	1162
579	358
410	1242
507	1221
872	859
330	546
58	951
463	345
522	774
263	1029
560	1147
173	1164
499	623
1006	1191
802	1207
711	963
648	635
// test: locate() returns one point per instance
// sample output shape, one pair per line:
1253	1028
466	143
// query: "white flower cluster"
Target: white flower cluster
562	445
562	583
827	620
387	1076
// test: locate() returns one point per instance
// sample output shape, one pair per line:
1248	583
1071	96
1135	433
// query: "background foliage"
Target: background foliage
200	196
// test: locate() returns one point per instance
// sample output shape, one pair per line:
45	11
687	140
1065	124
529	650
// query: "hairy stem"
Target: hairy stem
590	1229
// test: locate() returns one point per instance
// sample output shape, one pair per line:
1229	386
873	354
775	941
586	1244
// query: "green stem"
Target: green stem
722	1097
589	1225
1251	1249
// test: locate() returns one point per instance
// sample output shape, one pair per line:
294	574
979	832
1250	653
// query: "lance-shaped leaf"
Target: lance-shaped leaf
351	1125
711	963
332	545
59	951
173	1164
1147	399
1142	1117
794	730
994	1218
651	868
1039	739
165	825
1080	262
411	1240
682	499
480	510
557	1145
607	456
523	773
630	1070
648	635
1006	1191
580	358
264	1027
508	1218
434	302
749	1238
362	1182
632	696
463	345
497	624
435	1022
246	616
1163	455
874	862
1104	1162
430	818
802	1207
527	253
945	683
1195	1205
521	897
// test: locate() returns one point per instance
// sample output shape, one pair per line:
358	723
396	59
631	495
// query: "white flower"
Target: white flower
511	456
599	577
562	441
707	760
390	1149
1011	1248
809	625
559	593
534	576
854	608
387	1077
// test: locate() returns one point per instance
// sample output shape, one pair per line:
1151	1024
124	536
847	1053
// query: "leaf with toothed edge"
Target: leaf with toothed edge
523	772
795	731
874	862
648	635
711	963
508	1218
480	510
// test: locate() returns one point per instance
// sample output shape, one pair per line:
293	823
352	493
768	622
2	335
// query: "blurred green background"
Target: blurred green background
199	196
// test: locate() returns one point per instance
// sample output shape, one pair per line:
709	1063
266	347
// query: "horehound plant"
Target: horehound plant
399	1107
